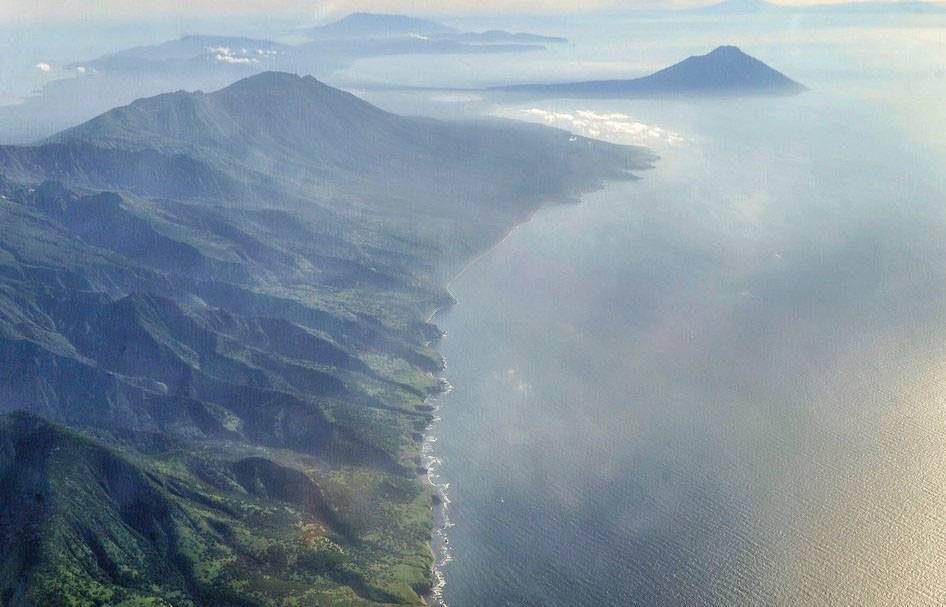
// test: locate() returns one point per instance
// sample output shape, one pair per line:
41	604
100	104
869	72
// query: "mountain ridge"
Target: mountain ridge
321	142
225	297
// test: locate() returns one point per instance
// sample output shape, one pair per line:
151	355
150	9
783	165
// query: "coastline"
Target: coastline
439	542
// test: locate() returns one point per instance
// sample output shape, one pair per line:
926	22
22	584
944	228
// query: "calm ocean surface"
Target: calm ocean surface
723	384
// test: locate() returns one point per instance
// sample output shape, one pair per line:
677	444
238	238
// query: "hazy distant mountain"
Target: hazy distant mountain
504	37
190	47
365	27
724	71
406	45
740	7
906	7
736	7
205	62
196	59
95	85
190	58
371	25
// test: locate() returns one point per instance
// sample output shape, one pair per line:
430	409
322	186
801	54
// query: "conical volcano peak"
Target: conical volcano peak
727	51
281	109
273	82
726	70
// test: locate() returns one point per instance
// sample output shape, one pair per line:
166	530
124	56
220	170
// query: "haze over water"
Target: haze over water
725	383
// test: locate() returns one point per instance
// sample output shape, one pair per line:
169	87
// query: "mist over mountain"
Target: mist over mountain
875	8
368	26
190	47
218	304
373	25
372	34
207	62
504	37
738	7
725	71
907	7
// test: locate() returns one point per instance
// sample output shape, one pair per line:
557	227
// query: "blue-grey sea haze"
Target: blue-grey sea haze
723	384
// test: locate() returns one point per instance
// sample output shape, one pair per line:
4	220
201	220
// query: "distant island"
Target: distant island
368	26
762	7
726	71
373	25
210	62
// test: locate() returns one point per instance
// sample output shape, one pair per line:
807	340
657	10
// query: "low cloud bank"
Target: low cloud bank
612	126
242	56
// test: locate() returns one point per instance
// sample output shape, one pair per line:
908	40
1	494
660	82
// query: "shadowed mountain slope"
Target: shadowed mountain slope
224	297
286	139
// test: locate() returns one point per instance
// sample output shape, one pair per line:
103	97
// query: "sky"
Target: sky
30	10
12	11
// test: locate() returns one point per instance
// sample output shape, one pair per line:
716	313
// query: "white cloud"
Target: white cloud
225	54
44	67
602	125
234	60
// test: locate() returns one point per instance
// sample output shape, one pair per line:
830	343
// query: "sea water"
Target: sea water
722	384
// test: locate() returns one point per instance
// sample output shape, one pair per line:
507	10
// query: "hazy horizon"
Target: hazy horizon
27	12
